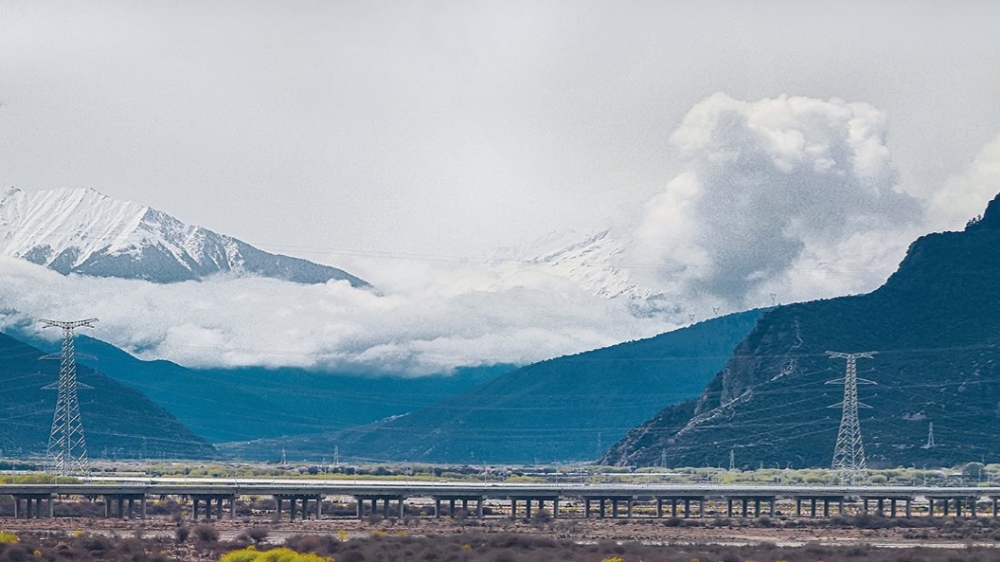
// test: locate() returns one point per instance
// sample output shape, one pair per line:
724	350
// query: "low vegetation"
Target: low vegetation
462	547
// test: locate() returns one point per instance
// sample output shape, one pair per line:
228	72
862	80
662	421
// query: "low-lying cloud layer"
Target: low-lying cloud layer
250	321
792	196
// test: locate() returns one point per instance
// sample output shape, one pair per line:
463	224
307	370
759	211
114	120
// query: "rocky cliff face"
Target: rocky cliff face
936	327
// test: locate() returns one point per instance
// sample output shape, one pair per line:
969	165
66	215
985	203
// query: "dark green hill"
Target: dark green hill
117	421
556	410
936	326
253	403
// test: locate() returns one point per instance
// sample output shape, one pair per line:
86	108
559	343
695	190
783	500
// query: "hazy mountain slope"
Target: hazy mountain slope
83	231
936	326
593	262
556	410
252	403
117	421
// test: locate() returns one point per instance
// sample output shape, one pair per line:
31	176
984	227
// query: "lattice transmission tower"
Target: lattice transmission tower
930	437
849	464
67	446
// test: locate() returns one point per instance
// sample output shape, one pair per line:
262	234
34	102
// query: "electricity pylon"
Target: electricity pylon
849	454
930	437
67	447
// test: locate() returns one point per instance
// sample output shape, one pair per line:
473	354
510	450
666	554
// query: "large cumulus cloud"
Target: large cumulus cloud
791	194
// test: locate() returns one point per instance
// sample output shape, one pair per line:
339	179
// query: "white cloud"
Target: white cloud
966	195
790	195
456	318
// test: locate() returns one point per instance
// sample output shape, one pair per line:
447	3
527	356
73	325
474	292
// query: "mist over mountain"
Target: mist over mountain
223	405
83	231
559	410
597	262
936	327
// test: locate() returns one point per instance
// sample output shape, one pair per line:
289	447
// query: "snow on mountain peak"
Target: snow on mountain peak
593	261
84	231
83	219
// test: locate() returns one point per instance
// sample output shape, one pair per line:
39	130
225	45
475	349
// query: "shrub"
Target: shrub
96	543
8	538
257	534
251	554
303	543
206	533
16	553
247	554
182	534
543	517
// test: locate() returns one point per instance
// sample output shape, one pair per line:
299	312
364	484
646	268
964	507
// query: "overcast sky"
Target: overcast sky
737	149
450	128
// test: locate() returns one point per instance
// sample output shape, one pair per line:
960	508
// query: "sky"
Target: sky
735	149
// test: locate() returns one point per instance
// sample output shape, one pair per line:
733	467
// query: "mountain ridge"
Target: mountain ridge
935	324
556	410
84	231
251	403
117	420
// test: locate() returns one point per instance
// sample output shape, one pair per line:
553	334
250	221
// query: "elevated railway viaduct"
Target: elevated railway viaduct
218	499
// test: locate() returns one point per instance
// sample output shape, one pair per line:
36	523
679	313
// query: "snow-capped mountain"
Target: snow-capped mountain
596	262
84	231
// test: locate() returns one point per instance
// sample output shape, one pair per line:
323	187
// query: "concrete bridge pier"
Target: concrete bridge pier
528	502
33	506
946	501
386	499
297	504
996	505
125	504
196	503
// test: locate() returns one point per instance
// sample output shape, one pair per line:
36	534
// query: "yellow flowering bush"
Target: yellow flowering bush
251	554
8	538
